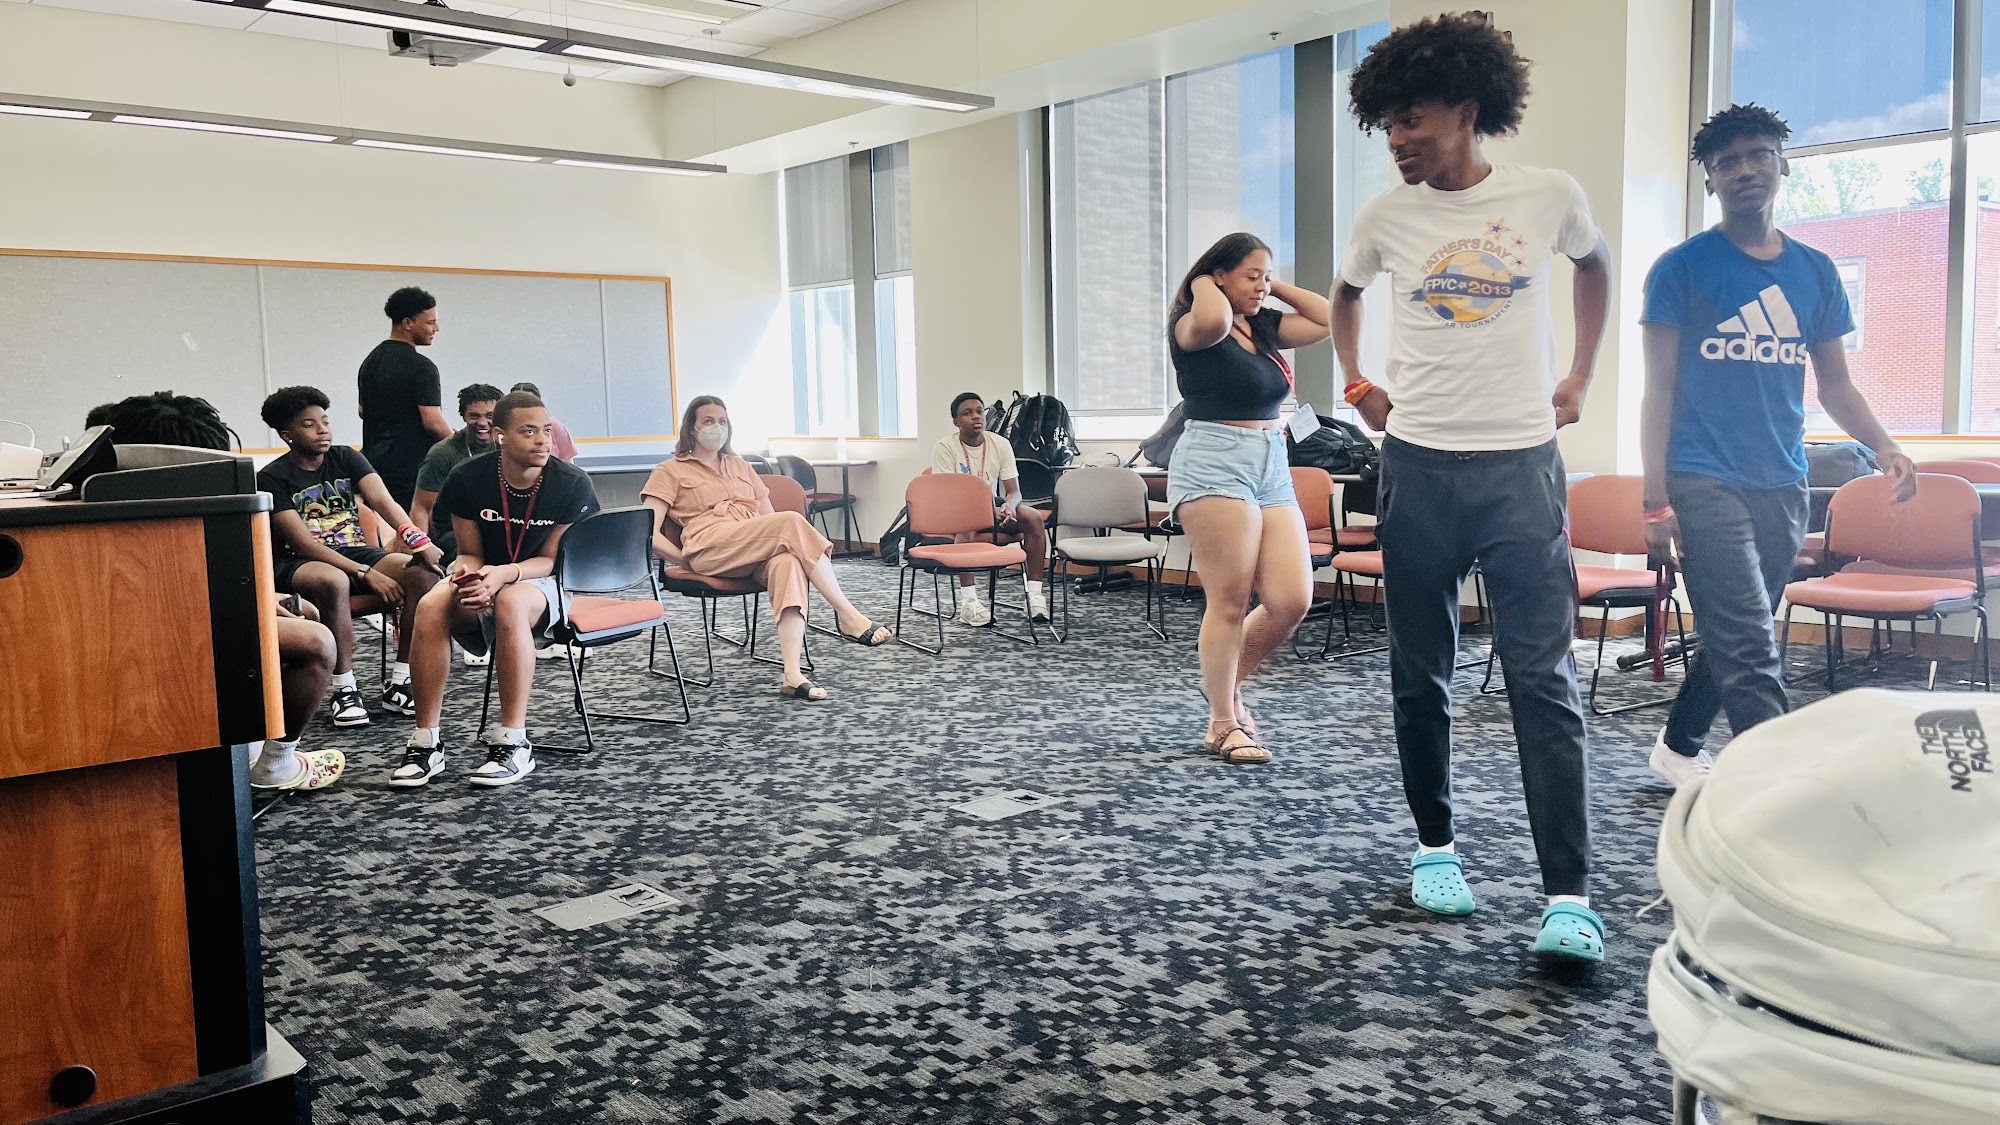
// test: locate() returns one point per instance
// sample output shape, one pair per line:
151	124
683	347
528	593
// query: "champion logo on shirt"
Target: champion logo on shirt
1764	330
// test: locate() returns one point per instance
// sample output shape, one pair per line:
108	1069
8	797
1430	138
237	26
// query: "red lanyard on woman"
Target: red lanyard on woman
1274	356
515	543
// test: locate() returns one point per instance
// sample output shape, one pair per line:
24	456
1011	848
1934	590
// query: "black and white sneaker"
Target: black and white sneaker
397	699
506	763
347	708
420	764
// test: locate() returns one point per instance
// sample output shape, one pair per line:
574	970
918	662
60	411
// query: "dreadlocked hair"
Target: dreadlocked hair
1453	58
165	418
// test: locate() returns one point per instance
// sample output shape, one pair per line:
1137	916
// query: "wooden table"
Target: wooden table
141	653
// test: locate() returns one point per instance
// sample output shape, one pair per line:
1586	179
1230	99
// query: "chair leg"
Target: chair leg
680	681
909	575
1835	643
1937	648
1154	592
486	699
583	708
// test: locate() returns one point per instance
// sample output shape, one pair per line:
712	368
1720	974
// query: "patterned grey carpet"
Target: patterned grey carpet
1173	940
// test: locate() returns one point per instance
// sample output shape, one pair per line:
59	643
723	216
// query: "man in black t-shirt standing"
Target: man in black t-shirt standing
510	509
402	411
322	550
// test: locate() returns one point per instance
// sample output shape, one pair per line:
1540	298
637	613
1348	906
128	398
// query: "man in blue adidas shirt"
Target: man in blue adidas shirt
1732	315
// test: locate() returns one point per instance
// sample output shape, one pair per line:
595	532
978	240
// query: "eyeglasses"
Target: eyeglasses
1755	158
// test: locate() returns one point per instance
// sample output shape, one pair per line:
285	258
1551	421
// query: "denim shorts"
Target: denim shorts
1212	459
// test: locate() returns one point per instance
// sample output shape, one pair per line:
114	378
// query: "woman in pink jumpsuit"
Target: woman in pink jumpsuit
728	530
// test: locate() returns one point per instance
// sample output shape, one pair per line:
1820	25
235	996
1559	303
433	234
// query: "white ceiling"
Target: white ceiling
779	21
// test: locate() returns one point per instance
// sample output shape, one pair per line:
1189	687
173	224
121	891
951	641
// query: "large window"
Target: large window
1144	179
819	269
1108	260
852	294
1871	184
895	291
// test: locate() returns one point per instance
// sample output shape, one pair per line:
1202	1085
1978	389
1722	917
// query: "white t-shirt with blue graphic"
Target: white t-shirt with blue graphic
1747	327
1471	345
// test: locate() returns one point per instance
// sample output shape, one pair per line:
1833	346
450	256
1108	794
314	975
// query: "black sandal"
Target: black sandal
804	691
873	635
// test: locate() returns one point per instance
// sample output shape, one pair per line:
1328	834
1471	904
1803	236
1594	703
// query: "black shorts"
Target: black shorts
287	565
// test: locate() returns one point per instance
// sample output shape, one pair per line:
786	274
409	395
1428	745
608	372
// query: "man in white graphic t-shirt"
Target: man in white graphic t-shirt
1470	469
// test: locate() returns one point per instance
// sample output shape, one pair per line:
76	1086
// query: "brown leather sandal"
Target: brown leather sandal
1246	752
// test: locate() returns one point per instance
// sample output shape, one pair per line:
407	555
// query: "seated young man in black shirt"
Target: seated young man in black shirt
509	509
323	554
305	648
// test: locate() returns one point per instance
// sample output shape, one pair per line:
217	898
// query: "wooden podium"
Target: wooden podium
137	653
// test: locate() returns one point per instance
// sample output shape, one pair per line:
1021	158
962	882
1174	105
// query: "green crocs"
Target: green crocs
1571	930
1437	883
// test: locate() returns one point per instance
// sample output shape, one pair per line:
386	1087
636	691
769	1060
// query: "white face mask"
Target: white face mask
712	435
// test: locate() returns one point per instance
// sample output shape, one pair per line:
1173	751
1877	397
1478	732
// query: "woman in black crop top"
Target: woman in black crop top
1228	482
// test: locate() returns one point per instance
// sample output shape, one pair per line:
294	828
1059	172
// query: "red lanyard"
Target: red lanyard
1274	356
965	456
514	542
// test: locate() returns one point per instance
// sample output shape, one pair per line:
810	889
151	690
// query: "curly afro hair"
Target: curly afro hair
1733	124
1453	58
285	404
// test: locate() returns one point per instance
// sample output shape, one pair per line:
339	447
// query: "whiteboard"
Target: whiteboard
79	331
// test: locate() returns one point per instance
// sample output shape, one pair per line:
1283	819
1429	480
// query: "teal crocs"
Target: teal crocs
1570	930
1437	883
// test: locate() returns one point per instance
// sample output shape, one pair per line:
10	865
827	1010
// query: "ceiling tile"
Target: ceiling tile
502	10
298	27
837	9
658	27
213	15
780	23
641	76
634	25
723	46
547	64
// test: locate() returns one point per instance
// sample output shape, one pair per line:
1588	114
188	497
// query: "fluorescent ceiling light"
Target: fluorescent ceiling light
35	105
618	167
43	111
217	127
440	150
758	77
404	23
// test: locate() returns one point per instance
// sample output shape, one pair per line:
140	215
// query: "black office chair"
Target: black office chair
1038	481
819	505
606	553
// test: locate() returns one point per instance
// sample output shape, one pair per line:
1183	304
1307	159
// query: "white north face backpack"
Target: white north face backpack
1836	892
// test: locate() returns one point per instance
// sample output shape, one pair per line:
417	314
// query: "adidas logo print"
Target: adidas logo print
1763	331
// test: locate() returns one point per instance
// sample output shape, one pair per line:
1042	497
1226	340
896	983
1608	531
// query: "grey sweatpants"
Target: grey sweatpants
1738	547
1441	512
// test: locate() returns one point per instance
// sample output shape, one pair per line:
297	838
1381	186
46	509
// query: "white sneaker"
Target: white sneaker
478	660
1038	602
1678	768
972	611
420	764
506	763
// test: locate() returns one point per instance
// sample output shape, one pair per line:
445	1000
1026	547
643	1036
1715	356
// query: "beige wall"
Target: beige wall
85	186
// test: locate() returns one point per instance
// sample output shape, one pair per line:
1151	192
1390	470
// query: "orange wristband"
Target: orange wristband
1356	391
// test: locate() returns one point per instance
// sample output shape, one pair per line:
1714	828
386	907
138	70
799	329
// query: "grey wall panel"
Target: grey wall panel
639	358
75	332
